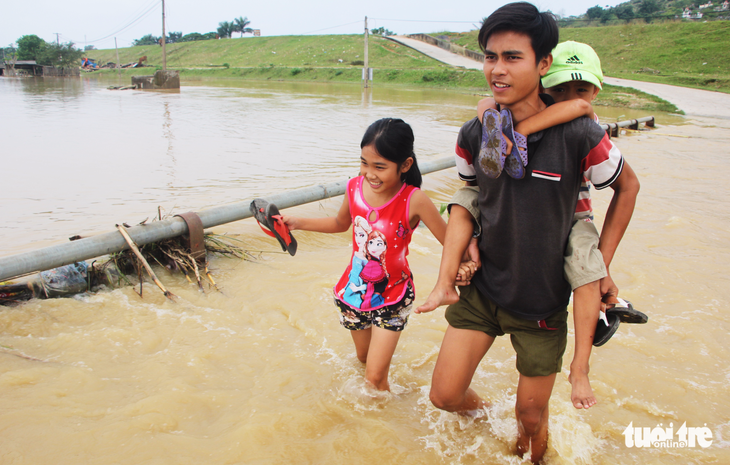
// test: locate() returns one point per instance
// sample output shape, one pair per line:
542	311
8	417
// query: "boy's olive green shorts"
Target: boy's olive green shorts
539	345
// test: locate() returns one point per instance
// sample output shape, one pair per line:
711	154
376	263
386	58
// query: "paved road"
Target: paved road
694	102
437	53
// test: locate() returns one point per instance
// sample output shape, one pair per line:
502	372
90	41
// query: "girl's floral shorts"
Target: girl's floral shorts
391	317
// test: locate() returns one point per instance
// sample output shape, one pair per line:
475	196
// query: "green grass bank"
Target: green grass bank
689	54
315	58
327	58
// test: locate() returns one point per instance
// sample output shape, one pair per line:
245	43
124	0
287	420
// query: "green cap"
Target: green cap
574	61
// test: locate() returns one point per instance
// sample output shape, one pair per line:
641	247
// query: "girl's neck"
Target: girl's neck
378	199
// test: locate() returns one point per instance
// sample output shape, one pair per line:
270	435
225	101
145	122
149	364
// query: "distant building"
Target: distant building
724	6
687	14
706	5
31	68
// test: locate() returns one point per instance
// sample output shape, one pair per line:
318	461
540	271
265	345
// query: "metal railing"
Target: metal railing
612	129
448	46
12	266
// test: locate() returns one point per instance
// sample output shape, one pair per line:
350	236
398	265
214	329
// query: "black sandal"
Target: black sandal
627	313
605	328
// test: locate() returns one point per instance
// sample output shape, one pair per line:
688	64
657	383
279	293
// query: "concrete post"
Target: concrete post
365	67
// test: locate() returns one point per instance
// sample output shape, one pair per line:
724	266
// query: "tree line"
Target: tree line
32	47
647	10
225	30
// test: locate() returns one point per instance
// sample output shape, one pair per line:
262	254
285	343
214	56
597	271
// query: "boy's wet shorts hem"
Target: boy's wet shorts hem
391	317
539	345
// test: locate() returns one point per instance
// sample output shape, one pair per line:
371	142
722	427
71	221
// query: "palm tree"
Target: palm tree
240	25
225	29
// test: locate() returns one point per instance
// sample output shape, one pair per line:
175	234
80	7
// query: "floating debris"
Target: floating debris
119	268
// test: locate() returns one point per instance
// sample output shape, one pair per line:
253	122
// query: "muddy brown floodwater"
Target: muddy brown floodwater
262	373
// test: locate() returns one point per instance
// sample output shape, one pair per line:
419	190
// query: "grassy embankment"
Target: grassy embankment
336	58
330	58
689	54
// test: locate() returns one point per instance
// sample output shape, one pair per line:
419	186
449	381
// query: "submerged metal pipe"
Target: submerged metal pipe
103	244
649	120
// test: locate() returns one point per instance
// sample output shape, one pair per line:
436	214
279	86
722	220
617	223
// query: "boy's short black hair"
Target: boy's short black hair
525	18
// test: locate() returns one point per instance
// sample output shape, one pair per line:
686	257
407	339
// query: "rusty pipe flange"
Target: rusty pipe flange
194	237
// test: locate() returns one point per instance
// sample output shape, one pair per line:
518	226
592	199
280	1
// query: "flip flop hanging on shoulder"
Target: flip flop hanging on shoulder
514	163
268	215
491	151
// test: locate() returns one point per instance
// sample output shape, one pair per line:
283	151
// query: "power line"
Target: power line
149	9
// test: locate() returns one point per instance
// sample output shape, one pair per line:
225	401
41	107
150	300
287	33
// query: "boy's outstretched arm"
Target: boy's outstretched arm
626	188
558	113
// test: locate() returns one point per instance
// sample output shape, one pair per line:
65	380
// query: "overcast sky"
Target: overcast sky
98	22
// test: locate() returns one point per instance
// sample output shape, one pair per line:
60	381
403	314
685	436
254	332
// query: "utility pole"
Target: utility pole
117	49
164	39
366	70
57	41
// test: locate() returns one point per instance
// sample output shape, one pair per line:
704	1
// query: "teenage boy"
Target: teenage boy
520	288
574	80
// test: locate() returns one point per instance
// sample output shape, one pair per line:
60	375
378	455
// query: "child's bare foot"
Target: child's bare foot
581	395
439	296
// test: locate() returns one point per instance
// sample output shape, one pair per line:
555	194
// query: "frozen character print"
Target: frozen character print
356	287
374	273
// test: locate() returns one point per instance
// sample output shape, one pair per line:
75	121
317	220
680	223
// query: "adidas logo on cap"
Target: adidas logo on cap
574	60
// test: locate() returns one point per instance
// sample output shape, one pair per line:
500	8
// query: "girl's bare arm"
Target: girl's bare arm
335	224
423	209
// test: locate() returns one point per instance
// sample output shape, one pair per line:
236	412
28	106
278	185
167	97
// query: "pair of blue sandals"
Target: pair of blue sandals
504	149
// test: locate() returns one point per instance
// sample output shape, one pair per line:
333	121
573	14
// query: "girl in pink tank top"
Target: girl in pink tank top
376	292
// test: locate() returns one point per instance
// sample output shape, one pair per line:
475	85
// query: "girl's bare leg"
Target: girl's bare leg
361	339
382	346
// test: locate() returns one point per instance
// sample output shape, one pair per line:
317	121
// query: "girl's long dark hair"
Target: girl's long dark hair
393	140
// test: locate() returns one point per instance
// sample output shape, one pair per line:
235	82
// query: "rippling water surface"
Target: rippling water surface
262	372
